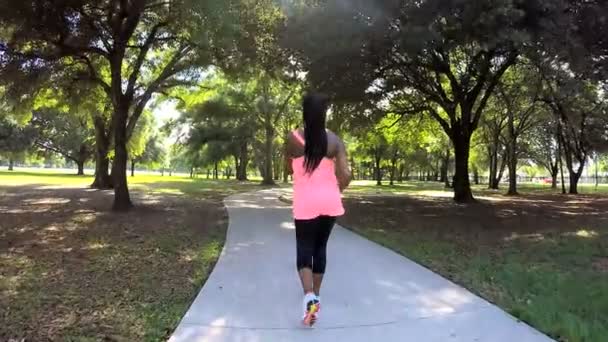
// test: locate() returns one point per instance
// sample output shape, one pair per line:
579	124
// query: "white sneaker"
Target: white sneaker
311	307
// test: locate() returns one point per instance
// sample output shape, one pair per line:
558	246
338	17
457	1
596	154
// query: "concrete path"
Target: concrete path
370	293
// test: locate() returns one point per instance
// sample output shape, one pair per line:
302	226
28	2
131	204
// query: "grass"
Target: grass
71	270
438	189
541	256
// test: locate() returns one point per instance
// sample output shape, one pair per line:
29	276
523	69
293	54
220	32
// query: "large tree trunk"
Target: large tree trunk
512	155
268	152
554	178
102	162
11	164
80	164
122	198
575	176
512	173
241	170
462	184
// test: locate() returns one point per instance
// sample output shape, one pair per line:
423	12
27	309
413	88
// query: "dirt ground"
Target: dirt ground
488	221
543	258
70	269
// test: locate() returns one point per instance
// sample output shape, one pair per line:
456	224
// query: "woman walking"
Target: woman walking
319	164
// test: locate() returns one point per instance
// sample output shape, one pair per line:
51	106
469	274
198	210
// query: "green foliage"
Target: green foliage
67	134
15	138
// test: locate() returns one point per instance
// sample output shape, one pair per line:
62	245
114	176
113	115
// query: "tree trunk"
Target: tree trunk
268	152
80	164
393	171
277	168
597	176
462	184
378	172
11	164
573	183
476	175
216	175
400	172
493	158
554	178
132	168
241	170
445	166
102	162
559	158
122	199
512	173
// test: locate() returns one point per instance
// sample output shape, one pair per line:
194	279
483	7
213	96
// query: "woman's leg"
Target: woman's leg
305	240
326	224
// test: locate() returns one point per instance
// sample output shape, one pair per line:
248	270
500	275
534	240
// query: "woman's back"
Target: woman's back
317	192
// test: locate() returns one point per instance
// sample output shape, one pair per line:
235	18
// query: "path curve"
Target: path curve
370	293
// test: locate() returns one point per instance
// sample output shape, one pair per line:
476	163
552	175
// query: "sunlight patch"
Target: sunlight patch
531	237
586	233
52	228
47	200
96	245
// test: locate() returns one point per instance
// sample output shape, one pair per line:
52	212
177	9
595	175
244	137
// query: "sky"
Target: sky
164	112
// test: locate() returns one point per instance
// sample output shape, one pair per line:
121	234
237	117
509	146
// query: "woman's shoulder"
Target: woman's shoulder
334	138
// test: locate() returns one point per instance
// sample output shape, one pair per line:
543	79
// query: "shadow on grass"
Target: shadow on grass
541	257
72	269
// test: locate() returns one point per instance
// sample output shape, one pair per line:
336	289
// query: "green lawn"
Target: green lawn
541	256
436	189
71	270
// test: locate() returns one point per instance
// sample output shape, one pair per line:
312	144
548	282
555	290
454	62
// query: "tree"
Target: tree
225	118
152	154
492	132
518	94
15	139
450	54
541	146
131	49
580	115
67	134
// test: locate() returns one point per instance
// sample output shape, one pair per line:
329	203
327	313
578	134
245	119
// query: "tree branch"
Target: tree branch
493	83
141	58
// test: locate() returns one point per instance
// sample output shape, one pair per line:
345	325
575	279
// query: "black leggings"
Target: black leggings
311	237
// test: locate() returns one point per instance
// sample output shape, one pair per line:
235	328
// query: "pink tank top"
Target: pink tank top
318	193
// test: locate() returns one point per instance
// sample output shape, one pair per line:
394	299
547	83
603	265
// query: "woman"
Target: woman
317	159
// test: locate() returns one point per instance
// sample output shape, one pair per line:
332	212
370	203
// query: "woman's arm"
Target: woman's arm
343	172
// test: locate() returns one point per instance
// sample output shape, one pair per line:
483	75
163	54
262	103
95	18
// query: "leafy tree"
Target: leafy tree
493	127
518	94
152	154
15	139
450	55
225	118
540	145
67	134
580	115
131	49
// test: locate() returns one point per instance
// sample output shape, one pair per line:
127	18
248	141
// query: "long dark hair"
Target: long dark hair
315	111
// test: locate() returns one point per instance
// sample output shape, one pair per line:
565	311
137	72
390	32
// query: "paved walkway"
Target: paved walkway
370	293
